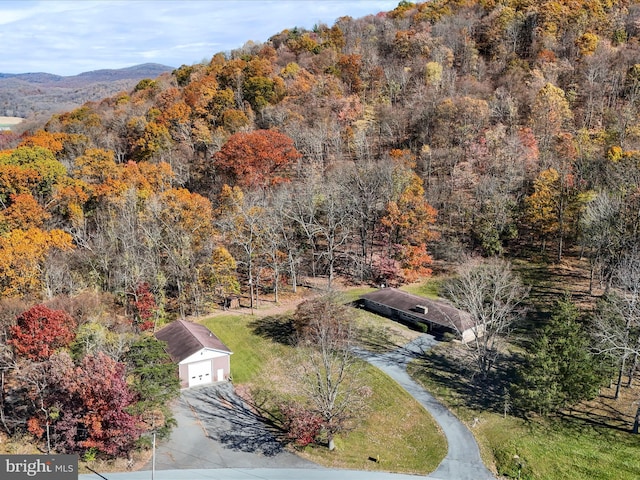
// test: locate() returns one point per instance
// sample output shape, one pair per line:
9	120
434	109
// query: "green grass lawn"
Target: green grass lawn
561	449
429	288
397	431
396	428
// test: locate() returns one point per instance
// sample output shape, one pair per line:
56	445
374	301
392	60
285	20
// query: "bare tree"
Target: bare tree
492	294
334	227
328	373
617	321
243	225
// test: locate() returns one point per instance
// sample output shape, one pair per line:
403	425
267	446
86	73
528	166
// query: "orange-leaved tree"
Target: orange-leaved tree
41	138
42	161
408	223
22	257
23	212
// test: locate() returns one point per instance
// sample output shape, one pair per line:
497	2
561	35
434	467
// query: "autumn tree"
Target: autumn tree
53	142
23	256
177	226
17	180
88	406
96	166
24	212
144	307
257	159
222	274
241	220
40	331
41	160
550	116
554	206
408	222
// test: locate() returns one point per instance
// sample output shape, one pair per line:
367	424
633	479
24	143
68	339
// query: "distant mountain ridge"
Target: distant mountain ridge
144	70
39	94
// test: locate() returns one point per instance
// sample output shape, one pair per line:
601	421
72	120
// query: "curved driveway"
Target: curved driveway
462	461
228	449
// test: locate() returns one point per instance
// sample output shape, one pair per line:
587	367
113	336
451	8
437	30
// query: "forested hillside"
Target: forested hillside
363	151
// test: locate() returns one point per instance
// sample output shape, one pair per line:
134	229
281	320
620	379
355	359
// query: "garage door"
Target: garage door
200	373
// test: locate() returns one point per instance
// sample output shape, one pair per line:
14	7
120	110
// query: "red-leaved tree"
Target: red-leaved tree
87	406
144	306
257	159
40	331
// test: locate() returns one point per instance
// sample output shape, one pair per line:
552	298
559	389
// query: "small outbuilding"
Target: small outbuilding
201	357
438	317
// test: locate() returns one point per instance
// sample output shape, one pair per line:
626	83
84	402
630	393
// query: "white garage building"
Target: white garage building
202	358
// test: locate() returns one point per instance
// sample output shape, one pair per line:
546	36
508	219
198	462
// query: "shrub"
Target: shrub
301	425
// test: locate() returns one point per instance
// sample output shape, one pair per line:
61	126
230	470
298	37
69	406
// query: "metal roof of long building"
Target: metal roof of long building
438	312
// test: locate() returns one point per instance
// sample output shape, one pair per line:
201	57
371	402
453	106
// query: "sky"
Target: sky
67	37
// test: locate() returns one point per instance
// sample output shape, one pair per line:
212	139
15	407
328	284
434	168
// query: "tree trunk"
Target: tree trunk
3	420
251	294
636	421
561	228
292	272
619	383
560	247
276	280
632	370
332	446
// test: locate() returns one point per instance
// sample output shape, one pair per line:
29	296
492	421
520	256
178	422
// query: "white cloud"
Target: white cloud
64	36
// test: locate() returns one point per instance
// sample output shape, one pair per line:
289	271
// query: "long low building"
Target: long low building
439	317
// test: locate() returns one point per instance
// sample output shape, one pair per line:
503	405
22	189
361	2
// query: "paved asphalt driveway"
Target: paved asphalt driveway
219	438
462	461
217	430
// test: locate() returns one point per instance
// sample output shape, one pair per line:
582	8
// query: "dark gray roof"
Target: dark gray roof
186	338
439	312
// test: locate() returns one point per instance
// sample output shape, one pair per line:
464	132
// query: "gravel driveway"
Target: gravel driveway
216	429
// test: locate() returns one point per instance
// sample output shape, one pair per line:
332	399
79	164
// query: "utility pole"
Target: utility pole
153	456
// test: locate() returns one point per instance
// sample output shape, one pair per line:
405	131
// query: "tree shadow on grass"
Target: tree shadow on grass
604	418
579	420
278	328
376	339
468	389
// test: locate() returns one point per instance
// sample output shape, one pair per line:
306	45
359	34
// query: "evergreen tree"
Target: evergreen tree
559	370
155	378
